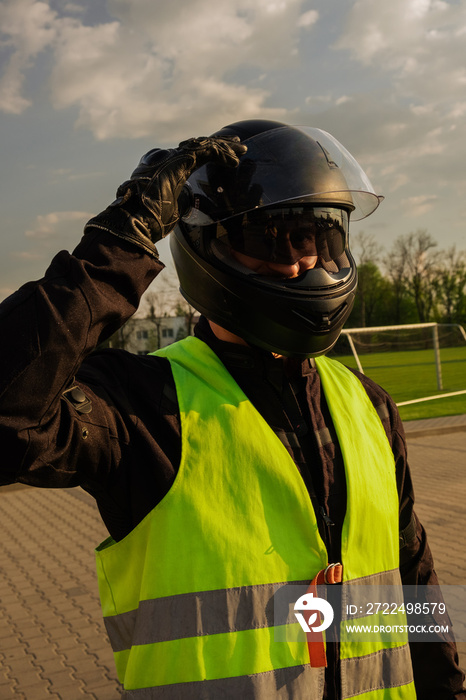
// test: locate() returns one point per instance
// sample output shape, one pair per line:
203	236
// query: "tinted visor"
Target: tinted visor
287	234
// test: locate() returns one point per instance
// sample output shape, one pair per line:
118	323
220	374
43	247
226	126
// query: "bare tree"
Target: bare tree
395	265
450	286
420	271
121	338
411	265
165	299
157	306
367	252
365	248
189	313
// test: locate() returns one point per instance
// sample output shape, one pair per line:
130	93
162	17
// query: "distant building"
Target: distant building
143	335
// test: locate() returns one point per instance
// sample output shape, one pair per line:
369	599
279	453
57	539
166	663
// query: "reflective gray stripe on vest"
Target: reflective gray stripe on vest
388	668
359	592
295	683
205	613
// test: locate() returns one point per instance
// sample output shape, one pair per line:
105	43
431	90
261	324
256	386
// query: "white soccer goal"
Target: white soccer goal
351	333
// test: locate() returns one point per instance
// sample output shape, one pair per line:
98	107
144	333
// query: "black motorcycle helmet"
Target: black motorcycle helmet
291	196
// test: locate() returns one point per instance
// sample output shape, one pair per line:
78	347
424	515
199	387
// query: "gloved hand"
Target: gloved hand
146	207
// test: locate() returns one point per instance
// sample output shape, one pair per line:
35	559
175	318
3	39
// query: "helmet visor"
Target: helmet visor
300	164
287	234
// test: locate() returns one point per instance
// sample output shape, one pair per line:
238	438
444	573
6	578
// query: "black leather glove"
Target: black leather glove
146	207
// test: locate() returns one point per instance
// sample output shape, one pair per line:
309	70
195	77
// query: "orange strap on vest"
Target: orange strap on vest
315	641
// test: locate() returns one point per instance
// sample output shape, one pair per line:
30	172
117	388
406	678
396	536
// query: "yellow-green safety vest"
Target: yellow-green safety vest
187	596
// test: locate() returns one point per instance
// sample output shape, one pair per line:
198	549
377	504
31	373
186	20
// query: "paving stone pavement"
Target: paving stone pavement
438	468
53	642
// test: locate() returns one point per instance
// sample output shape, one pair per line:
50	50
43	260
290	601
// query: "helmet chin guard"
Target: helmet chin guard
291	194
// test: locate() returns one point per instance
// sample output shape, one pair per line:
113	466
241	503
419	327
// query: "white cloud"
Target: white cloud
11	85
27	28
410	134
317	102
154	68
419	41
318	99
308	18
394	30
343	99
29	255
417	206
29	25
57	224
73	7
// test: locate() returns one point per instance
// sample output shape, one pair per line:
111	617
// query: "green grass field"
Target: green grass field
412	374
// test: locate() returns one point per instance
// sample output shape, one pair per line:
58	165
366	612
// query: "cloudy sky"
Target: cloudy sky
88	86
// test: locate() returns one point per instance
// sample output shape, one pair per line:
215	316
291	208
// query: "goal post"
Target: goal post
403	327
352	333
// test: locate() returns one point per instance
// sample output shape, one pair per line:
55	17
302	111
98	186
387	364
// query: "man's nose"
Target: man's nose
295	269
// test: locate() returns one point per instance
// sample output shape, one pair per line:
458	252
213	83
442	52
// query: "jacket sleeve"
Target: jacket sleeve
48	328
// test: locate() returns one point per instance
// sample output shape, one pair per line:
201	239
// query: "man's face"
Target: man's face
273	269
268	269
286	241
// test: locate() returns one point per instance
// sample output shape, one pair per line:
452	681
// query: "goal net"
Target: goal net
409	360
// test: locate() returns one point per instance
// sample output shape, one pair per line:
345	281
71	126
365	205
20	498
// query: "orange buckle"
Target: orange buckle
333	573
